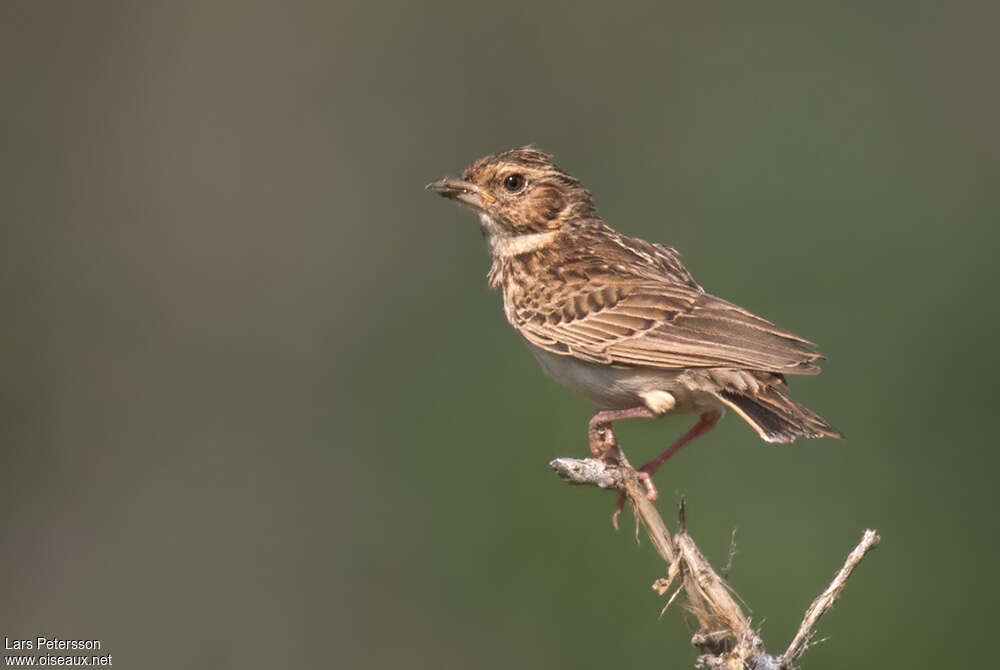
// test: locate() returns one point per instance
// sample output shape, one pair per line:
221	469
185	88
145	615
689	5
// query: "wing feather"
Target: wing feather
664	325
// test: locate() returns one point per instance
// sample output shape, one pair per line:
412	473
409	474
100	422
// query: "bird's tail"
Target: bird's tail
776	417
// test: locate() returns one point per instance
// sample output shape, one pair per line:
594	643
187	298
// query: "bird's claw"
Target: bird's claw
647	481
651	494
602	441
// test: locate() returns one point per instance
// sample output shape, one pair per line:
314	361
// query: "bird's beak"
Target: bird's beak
464	192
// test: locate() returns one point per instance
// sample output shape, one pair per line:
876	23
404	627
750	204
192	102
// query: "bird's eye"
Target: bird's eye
513	182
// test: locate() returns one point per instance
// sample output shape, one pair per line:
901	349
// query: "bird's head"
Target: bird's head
519	192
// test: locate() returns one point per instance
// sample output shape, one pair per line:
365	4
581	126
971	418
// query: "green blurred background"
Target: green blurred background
259	409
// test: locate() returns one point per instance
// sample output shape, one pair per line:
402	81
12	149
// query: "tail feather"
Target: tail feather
776	417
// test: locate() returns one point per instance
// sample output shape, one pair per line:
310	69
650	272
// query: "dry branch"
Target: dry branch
826	599
724	635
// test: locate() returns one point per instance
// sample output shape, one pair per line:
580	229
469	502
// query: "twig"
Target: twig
724	631
826	599
728	567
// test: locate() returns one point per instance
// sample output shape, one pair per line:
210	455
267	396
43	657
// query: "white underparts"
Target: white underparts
659	402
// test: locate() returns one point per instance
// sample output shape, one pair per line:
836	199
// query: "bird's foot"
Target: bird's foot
603	444
602	438
619	508
651	494
647	481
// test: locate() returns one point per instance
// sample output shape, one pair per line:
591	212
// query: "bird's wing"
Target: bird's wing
660	324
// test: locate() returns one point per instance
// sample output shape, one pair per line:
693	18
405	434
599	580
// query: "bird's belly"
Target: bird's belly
613	387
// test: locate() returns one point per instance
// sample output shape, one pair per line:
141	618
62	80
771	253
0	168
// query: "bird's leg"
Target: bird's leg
603	445
705	423
645	473
602	438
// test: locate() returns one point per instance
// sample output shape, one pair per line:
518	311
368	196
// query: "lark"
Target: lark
621	319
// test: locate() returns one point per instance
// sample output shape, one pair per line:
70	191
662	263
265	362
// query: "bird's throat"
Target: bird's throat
505	244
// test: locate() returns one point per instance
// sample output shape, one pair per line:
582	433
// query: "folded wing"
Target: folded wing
666	325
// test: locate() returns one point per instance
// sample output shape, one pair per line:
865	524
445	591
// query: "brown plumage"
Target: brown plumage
622	319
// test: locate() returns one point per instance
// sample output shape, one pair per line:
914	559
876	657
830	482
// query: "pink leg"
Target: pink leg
602	440
705	424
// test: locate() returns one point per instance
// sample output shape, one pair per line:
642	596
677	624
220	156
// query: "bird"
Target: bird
621	319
